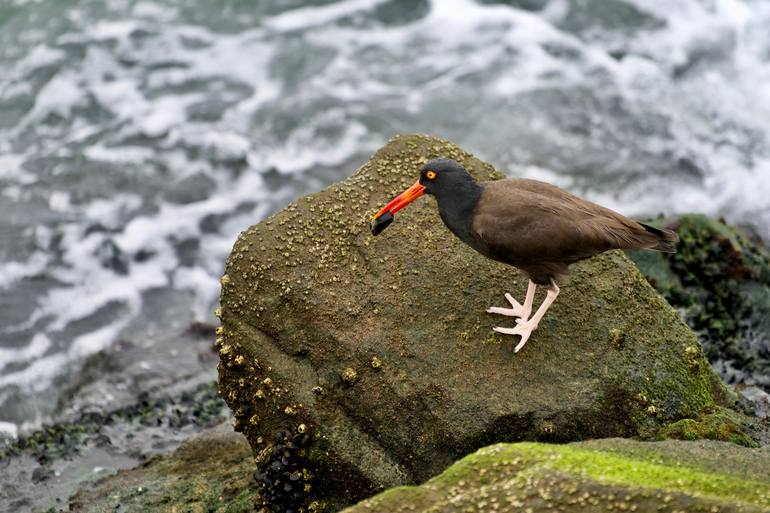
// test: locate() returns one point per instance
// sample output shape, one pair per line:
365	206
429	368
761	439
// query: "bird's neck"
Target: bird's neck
456	209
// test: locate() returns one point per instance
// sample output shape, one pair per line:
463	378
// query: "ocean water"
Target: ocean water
137	138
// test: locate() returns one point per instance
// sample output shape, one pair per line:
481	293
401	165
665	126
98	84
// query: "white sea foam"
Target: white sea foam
222	146
307	148
59	201
119	154
305	17
95	341
12	272
110	212
202	283
39	57
11	170
59	96
38	375
36	348
122	97
9	429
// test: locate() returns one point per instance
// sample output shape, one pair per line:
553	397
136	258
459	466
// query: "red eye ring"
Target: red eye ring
430	175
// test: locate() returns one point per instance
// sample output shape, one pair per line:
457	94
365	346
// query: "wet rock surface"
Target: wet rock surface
720	280
601	475
309	296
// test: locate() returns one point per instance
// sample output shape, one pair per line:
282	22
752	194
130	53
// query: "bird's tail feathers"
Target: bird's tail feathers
665	239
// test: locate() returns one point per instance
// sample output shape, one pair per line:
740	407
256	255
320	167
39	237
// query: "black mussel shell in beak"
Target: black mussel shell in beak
380	223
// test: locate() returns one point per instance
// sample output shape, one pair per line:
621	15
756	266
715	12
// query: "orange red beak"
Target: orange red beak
384	217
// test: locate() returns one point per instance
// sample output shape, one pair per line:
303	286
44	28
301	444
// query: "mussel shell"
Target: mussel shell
380	223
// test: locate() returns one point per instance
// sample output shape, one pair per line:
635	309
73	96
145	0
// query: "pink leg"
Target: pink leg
526	326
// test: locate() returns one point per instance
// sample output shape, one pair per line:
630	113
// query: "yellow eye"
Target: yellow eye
430	175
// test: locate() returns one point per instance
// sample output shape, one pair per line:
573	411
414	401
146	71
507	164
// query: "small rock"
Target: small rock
41	474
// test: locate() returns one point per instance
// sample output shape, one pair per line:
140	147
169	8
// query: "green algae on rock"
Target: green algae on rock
717	424
601	475
211	472
310	295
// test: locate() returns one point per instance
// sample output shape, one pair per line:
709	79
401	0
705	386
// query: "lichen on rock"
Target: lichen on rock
311	295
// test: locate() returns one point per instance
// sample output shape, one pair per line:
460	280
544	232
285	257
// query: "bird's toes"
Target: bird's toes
504	331
512	301
510	312
524	338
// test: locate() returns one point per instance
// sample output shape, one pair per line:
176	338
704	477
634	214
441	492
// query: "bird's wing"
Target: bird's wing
520	220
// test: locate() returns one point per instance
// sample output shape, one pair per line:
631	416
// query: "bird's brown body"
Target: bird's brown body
542	229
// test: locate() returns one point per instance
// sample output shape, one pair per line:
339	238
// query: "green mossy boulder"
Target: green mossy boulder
591	477
372	360
210	473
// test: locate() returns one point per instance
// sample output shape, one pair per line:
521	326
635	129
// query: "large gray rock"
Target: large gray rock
377	356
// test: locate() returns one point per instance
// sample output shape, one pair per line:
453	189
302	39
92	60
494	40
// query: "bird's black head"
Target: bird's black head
442	177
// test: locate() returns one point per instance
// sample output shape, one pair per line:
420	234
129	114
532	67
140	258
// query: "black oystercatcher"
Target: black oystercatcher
532	225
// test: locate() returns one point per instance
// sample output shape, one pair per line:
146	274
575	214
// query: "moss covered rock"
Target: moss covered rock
720	279
597	476
210	473
717	423
354	363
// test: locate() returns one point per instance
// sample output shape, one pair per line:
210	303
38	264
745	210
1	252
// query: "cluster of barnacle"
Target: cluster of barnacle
282	474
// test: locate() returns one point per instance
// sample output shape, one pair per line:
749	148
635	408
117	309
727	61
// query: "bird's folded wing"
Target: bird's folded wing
523	221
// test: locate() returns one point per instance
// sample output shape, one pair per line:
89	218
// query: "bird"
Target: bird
532	225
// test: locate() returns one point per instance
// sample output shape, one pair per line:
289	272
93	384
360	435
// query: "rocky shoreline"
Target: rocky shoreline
350	373
42	469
